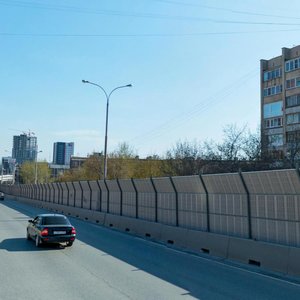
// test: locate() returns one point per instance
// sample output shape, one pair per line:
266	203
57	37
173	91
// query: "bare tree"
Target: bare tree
293	148
210	150
232	147
252	145
122	162
184	159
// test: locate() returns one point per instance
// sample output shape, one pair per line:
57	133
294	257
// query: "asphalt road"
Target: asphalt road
106	264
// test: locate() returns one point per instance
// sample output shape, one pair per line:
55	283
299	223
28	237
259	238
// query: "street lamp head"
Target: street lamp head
84	81
129	85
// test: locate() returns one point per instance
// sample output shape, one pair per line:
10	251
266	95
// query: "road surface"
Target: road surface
106	264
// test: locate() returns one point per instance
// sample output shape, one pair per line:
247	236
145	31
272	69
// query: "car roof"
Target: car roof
51	215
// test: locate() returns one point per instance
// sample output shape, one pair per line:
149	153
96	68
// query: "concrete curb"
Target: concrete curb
210	243
270	256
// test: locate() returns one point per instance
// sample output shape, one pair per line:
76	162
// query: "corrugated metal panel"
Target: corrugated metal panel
129	204
229	225
188	184
71	193
129	198
95	195
64	193
55	192
38	188
224	184
144	185
273	182
114	197
45	192
292	207
276	231
146	196
112	186
166	201
78	194
163	185
86	194
166	208
146	208
51	192
42	192
104	196
192	211
126	185
228	204
42	186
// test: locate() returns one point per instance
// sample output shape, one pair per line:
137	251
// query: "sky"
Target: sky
193	65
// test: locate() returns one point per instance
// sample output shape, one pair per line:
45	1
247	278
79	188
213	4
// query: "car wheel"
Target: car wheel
38	241
69	244
27	235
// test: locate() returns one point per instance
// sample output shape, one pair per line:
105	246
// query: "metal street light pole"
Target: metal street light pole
106	122
35	177
2	174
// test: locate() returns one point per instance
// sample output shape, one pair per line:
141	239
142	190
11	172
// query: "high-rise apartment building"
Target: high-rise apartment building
280	103
24	147
62	153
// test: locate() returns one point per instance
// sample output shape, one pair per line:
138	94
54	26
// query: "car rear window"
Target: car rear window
55	220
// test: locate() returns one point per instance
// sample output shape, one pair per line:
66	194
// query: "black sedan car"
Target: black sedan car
51	228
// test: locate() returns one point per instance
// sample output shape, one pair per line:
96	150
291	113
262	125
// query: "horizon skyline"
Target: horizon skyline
194	67
95	152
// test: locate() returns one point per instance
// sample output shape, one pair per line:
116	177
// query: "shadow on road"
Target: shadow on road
22	244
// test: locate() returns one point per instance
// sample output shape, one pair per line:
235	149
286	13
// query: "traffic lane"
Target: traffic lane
51	272
203	278
199	277
28	272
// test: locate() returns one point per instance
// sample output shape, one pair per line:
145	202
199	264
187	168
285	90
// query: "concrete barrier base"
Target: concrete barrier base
205	242
294	261
270	256
98	217
112	221
142	228
174	235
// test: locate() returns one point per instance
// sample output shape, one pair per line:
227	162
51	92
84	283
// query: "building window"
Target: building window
273	109
292	83
292	64
275	140
268	75
276	89
292	100
293	118
275	122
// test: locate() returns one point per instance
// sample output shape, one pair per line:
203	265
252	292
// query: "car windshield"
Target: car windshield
55	220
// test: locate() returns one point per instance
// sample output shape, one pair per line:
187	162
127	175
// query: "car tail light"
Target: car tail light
73	230
44	232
